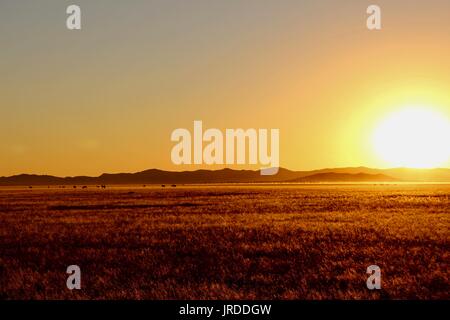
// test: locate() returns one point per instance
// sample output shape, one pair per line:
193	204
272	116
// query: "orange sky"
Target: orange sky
106	98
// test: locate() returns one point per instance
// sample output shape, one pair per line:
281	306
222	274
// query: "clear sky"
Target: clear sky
106	98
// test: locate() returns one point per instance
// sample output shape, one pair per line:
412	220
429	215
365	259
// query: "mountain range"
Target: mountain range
156	176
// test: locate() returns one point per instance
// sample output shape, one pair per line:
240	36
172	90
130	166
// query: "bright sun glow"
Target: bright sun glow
413	137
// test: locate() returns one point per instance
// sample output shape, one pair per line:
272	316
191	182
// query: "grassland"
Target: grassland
227	242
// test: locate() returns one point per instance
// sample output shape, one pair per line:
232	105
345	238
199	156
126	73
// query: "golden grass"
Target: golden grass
226	242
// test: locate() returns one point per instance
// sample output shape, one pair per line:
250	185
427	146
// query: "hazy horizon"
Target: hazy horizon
230	168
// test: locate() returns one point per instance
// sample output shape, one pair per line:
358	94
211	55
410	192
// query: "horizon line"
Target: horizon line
226	168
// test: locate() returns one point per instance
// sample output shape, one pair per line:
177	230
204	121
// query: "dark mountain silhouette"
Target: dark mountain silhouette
156	176
345	177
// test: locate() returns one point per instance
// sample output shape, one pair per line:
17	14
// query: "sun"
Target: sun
414	137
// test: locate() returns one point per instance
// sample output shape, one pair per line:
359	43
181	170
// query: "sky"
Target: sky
106	98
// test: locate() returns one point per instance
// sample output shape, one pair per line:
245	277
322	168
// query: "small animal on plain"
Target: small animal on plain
174	185
84	187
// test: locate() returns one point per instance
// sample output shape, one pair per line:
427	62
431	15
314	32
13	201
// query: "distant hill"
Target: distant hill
156	176
345	177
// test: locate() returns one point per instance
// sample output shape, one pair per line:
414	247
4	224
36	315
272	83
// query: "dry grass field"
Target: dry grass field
226	242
